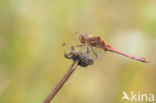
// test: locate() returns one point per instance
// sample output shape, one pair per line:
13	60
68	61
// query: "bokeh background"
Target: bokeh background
32	61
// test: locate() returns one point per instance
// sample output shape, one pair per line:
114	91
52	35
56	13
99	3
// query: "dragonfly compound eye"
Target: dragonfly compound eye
83	37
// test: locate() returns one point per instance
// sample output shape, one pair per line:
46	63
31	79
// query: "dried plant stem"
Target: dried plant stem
61	82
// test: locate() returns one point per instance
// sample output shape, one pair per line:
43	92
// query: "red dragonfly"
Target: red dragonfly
98	42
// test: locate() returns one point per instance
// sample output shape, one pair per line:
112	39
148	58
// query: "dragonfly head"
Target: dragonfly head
83	38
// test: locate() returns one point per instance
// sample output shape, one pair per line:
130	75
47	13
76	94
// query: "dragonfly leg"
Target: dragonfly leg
80	46
94	52
88	50
72	48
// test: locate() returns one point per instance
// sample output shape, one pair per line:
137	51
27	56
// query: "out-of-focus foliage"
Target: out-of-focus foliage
31	61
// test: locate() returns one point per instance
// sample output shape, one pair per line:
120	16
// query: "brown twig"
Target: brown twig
61	82
79	58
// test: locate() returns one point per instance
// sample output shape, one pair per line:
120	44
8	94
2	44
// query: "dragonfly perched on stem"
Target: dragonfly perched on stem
98	42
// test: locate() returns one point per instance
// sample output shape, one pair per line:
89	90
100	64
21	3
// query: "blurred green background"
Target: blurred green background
31	61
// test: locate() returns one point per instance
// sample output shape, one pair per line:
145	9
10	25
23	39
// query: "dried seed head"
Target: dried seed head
84	59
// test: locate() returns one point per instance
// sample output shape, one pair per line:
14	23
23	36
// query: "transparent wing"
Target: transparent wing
75	37
66	45
97	51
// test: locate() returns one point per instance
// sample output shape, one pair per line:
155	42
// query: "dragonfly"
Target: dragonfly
98	42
